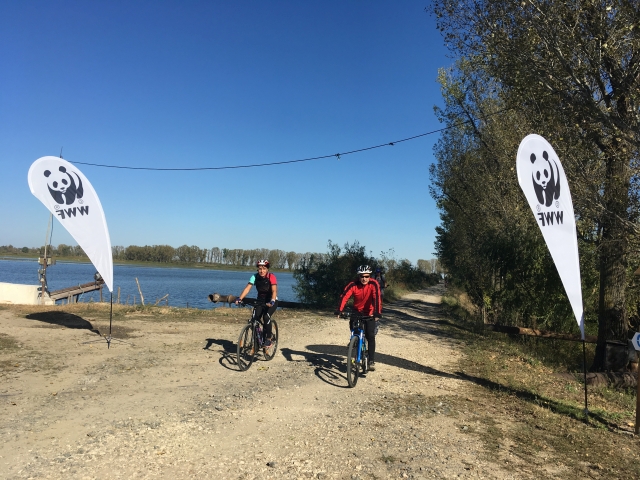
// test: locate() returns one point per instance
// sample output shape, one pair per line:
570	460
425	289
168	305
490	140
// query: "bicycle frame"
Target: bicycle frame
358	331
256	327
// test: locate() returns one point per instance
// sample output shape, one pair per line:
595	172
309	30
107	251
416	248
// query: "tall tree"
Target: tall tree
578	62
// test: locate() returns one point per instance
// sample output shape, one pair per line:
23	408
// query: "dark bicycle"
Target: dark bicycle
251	342
357	354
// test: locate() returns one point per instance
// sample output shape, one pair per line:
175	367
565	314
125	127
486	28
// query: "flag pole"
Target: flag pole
110	321
584	368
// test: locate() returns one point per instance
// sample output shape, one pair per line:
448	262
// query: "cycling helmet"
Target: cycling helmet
263	263
363	269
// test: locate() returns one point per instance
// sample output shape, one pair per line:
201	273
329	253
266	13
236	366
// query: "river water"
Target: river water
184	285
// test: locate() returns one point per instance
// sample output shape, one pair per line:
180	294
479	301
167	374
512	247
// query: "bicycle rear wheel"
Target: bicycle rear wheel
246	347
270	352
352	362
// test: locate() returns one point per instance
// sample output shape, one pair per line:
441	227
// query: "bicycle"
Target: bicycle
357	354
250	340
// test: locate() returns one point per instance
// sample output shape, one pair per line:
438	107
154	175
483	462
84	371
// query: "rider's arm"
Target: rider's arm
245	291
346	294
377	300
274	292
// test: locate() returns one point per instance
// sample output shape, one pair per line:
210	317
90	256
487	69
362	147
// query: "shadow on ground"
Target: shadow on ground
228	352
69	320
227	345
329	363
63	319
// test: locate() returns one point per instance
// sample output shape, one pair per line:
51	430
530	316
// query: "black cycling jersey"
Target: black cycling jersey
263	285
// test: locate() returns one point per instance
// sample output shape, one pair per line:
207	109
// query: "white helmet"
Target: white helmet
364	269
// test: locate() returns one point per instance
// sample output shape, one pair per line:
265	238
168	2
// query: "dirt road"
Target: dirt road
171	403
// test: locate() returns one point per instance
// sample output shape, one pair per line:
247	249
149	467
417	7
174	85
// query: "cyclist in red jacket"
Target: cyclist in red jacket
367	301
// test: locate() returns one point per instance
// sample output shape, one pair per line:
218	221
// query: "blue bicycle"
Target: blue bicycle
357	354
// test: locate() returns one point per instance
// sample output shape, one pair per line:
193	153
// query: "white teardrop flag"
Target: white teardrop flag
544	183
67	193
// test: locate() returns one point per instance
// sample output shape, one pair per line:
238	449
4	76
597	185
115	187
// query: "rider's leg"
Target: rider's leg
266	320
258	312
370	334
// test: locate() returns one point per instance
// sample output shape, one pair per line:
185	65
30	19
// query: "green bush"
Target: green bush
320	281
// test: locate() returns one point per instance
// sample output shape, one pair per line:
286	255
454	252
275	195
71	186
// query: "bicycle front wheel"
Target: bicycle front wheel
352	362
364	358
246	348
270	352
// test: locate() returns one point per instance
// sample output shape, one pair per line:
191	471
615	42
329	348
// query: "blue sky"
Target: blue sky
207	84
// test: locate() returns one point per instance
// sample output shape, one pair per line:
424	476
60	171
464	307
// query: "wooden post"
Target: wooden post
163	298
134	300
141	297
118	302
100	293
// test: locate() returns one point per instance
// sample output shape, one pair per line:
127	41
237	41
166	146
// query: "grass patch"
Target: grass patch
8	343
394	293
530	400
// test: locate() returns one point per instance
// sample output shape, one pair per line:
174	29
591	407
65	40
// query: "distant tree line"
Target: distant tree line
279	259
236	257
221	256
61	250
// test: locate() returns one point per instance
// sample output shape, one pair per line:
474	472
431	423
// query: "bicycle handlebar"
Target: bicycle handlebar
355	316
253	302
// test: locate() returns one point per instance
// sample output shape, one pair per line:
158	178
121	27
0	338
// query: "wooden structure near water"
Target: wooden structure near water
73	293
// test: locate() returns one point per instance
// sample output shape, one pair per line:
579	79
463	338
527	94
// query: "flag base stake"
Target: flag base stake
109	338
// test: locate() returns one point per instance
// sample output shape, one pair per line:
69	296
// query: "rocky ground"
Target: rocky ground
168	401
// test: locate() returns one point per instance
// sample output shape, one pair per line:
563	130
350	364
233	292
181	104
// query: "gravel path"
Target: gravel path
171	403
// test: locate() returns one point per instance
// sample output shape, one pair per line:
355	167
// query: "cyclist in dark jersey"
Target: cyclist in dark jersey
367	301
267	287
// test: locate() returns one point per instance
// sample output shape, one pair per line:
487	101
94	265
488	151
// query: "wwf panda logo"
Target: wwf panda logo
64	187
546	179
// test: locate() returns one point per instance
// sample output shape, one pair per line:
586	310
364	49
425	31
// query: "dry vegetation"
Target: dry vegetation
538	384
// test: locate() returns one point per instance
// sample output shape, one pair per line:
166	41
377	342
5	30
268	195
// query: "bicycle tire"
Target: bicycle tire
352	362
270	352
246	348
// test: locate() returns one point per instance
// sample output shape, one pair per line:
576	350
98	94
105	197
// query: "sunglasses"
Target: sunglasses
365	276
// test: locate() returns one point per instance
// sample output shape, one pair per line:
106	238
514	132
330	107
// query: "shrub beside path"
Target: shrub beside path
170	403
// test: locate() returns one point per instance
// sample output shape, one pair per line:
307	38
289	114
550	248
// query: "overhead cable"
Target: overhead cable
285	162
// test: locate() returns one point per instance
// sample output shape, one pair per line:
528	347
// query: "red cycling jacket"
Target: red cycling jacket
366	298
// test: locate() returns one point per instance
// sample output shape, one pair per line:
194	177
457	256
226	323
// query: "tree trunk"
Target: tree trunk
612	314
